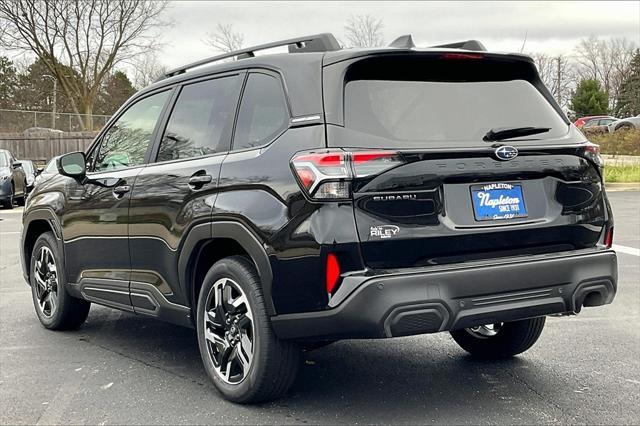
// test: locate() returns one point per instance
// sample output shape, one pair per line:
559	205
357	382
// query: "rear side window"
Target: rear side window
201	119
263	112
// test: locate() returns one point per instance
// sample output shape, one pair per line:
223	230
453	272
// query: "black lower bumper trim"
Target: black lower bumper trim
431	301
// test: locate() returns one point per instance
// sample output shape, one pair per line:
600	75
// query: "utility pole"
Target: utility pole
55	96
558	79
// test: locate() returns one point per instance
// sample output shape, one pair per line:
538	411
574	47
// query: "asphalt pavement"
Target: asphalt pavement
123	369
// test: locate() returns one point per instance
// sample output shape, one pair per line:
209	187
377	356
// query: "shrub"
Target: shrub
618	143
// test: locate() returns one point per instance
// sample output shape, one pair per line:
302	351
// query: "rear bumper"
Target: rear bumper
429	301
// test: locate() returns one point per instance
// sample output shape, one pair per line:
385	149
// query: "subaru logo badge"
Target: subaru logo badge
506	153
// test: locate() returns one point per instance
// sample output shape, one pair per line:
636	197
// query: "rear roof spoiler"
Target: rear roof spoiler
465	45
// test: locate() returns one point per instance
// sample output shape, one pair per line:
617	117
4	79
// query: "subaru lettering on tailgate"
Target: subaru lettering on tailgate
498	201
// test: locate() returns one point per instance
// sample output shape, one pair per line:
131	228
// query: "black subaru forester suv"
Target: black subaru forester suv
289	200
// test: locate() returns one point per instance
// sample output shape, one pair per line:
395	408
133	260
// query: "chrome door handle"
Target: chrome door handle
199	180
121	190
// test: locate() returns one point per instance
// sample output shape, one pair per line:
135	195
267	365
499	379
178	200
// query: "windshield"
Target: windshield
52	167
27	166
414	112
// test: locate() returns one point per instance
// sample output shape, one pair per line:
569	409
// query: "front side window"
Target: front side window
201	119
263	112
4	160
126	142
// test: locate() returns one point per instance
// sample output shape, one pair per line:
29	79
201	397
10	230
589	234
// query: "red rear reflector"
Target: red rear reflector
461	56
608	238
332	272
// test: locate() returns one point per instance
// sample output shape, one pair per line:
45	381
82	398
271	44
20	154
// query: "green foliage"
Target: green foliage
618	143
628	103
589	99
8	82
116	90
622	173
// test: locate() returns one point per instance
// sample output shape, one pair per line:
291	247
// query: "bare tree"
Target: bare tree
606	61
80	41
364	31
147	69
224	38
557	73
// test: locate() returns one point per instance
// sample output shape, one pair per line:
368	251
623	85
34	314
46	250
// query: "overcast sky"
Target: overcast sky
553	27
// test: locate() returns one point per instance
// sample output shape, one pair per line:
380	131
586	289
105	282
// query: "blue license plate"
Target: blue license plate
497	201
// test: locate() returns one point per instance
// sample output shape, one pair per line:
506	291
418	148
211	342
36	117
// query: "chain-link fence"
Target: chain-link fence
12	120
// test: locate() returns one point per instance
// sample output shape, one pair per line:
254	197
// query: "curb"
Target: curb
612	187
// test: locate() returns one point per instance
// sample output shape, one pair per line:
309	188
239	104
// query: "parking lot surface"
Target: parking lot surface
119	368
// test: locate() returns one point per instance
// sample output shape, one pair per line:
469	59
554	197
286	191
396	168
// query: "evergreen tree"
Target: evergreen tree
116	90
629	98
589	99
8	83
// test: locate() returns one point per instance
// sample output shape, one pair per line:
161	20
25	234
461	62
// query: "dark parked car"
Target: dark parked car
290	200
13	182
30	172
598	125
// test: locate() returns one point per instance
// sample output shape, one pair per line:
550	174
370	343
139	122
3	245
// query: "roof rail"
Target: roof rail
466	45
324	42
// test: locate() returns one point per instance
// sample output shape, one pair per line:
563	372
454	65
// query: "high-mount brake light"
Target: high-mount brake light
461	56
328	175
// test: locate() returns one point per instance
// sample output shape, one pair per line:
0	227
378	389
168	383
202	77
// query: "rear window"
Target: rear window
415	112
438	99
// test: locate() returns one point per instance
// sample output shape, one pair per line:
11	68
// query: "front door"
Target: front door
96	220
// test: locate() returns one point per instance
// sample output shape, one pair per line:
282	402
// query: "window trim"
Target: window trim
287	103
98	140
164	121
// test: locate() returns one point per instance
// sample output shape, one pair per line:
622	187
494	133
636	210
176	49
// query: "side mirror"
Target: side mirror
73	165
17	164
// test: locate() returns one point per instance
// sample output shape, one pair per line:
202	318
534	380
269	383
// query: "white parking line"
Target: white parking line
628	250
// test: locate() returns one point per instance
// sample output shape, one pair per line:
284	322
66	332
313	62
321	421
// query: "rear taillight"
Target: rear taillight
592	152
328	175
608	238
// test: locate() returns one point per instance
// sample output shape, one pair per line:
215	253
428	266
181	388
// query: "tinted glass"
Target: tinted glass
414	113
126	142
263	112
201	119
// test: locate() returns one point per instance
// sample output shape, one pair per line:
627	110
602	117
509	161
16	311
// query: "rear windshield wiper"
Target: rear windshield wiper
502	133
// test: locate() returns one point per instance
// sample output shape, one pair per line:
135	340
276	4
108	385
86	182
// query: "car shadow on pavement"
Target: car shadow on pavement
403	375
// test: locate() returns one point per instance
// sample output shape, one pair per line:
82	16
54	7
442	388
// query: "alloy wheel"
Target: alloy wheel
229	331
46	276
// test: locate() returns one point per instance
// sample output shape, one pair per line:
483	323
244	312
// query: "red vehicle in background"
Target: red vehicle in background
582	120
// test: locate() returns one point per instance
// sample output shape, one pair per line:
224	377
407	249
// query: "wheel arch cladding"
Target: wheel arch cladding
37	223
208	243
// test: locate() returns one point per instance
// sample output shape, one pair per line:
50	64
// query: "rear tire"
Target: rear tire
241	354
56	309
504	341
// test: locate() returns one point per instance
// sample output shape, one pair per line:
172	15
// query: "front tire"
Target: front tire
8	203
56	309
501	340
241	354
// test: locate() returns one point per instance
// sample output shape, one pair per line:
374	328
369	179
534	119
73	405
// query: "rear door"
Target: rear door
176	191
430	186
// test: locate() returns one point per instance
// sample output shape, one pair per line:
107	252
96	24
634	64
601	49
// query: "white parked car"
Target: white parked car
625	124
